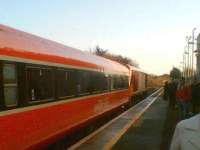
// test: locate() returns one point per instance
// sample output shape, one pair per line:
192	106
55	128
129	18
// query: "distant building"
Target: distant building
198	56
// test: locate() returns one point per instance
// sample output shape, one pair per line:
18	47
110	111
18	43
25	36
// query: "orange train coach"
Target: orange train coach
48	89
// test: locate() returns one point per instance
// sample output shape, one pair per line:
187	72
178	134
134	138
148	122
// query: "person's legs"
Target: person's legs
181	110
185	110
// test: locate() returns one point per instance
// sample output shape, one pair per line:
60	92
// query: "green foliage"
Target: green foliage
175	73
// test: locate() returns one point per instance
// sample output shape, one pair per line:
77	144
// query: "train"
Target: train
48	90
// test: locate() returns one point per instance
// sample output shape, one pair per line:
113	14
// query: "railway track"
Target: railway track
107	135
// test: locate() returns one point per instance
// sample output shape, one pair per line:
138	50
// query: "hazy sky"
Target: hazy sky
149	31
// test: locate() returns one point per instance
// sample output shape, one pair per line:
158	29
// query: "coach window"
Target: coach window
10	84
111	82
120	86
84	82
40	83
96	82
66	81
105	82
116	82
126	82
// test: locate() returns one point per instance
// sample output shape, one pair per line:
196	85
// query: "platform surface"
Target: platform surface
109	134
146	133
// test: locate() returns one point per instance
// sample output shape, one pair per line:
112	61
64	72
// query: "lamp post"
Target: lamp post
193	39
182	68
188	58
185	61
186	64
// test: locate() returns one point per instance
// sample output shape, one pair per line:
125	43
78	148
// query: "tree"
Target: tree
175	73
100	51
118	58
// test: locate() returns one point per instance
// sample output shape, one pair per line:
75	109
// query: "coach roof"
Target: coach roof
23	42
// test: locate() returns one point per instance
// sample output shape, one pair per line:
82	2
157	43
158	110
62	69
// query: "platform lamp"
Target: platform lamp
193	41
188	57
185	62
182	68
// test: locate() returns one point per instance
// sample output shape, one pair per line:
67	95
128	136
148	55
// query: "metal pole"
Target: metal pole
183	65
185	61
188	58
193	51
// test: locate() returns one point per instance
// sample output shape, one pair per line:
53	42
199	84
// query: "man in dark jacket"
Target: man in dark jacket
195	96
172	94
166	91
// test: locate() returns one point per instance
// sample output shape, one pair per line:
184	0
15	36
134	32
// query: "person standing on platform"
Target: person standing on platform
195	96
166	91
183	96
172	88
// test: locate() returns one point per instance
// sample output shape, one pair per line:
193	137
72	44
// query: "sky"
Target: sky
152	32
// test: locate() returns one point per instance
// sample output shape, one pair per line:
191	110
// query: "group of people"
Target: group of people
186	96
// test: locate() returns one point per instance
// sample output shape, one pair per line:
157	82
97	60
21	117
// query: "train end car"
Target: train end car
138	83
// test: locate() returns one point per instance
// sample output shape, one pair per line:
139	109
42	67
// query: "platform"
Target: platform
110	134
146	133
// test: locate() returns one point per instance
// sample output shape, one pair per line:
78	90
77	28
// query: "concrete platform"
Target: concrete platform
146	133
108	135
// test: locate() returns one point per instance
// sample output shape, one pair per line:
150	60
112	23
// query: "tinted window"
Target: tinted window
9	73
10	95
119	82
66	83
10	84
105	82
84	85
40	83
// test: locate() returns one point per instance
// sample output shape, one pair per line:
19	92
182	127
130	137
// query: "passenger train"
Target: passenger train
48	90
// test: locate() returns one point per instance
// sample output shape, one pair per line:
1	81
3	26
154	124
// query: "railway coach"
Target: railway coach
138	83
48	90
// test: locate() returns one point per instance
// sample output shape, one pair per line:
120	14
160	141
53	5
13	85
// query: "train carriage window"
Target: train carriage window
10	96
94	82
116	82
119	82
126	84
99	82
66	82
123	82
105	82
40	83
10	84
112	82
84	85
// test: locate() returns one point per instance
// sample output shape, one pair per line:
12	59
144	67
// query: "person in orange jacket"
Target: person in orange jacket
183	97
